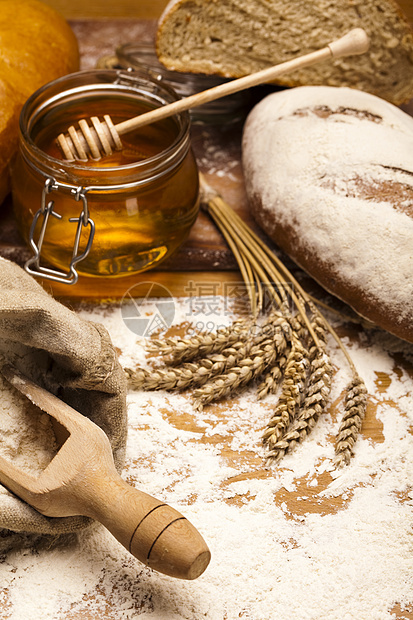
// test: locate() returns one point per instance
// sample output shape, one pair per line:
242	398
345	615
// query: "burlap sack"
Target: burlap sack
73	359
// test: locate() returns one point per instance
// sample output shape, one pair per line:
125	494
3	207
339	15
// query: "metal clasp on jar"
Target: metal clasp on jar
46	211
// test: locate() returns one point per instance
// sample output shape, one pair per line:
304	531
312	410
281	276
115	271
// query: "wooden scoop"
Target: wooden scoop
82	480
100	138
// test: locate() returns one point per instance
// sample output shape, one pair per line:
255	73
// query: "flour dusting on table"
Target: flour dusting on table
340	548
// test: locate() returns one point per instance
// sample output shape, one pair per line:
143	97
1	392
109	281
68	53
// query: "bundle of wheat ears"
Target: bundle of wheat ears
284	351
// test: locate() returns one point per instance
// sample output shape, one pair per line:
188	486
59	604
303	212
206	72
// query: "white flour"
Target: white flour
341	551
27	438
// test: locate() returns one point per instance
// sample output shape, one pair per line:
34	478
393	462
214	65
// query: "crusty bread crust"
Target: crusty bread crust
232	38
9	115
329	177
36	46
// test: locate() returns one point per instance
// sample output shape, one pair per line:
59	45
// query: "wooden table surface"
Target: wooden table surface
213	270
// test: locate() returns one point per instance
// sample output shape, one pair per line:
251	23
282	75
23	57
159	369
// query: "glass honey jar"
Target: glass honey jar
115	217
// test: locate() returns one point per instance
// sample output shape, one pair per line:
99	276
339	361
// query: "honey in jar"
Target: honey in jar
114	217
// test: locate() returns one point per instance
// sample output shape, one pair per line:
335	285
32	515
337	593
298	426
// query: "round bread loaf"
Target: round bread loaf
9	119
36	46
329	177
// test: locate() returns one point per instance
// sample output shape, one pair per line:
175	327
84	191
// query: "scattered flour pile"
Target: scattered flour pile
297	541
26	433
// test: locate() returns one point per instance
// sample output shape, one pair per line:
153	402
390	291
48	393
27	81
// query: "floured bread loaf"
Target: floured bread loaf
232	38
329	177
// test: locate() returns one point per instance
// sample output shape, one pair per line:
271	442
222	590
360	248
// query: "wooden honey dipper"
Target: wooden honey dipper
102	137
81	479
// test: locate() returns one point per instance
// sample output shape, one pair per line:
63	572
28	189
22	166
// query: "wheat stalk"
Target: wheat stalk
243	374
292	391
187	375
287	350
272	377
200	371
202	344
282	438
354	412
319	386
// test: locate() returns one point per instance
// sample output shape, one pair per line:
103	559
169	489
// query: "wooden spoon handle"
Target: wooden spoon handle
355	41
155	533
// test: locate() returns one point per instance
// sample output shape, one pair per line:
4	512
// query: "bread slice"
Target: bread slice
232	38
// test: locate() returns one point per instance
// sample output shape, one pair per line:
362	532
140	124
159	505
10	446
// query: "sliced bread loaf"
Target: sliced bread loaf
233	38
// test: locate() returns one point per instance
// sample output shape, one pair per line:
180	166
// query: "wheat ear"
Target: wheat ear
292	391
203	344
249	368
187	375
272	378
317	391
314	405
354	412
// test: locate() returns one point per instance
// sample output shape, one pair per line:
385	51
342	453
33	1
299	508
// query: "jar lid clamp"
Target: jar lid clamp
33	266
